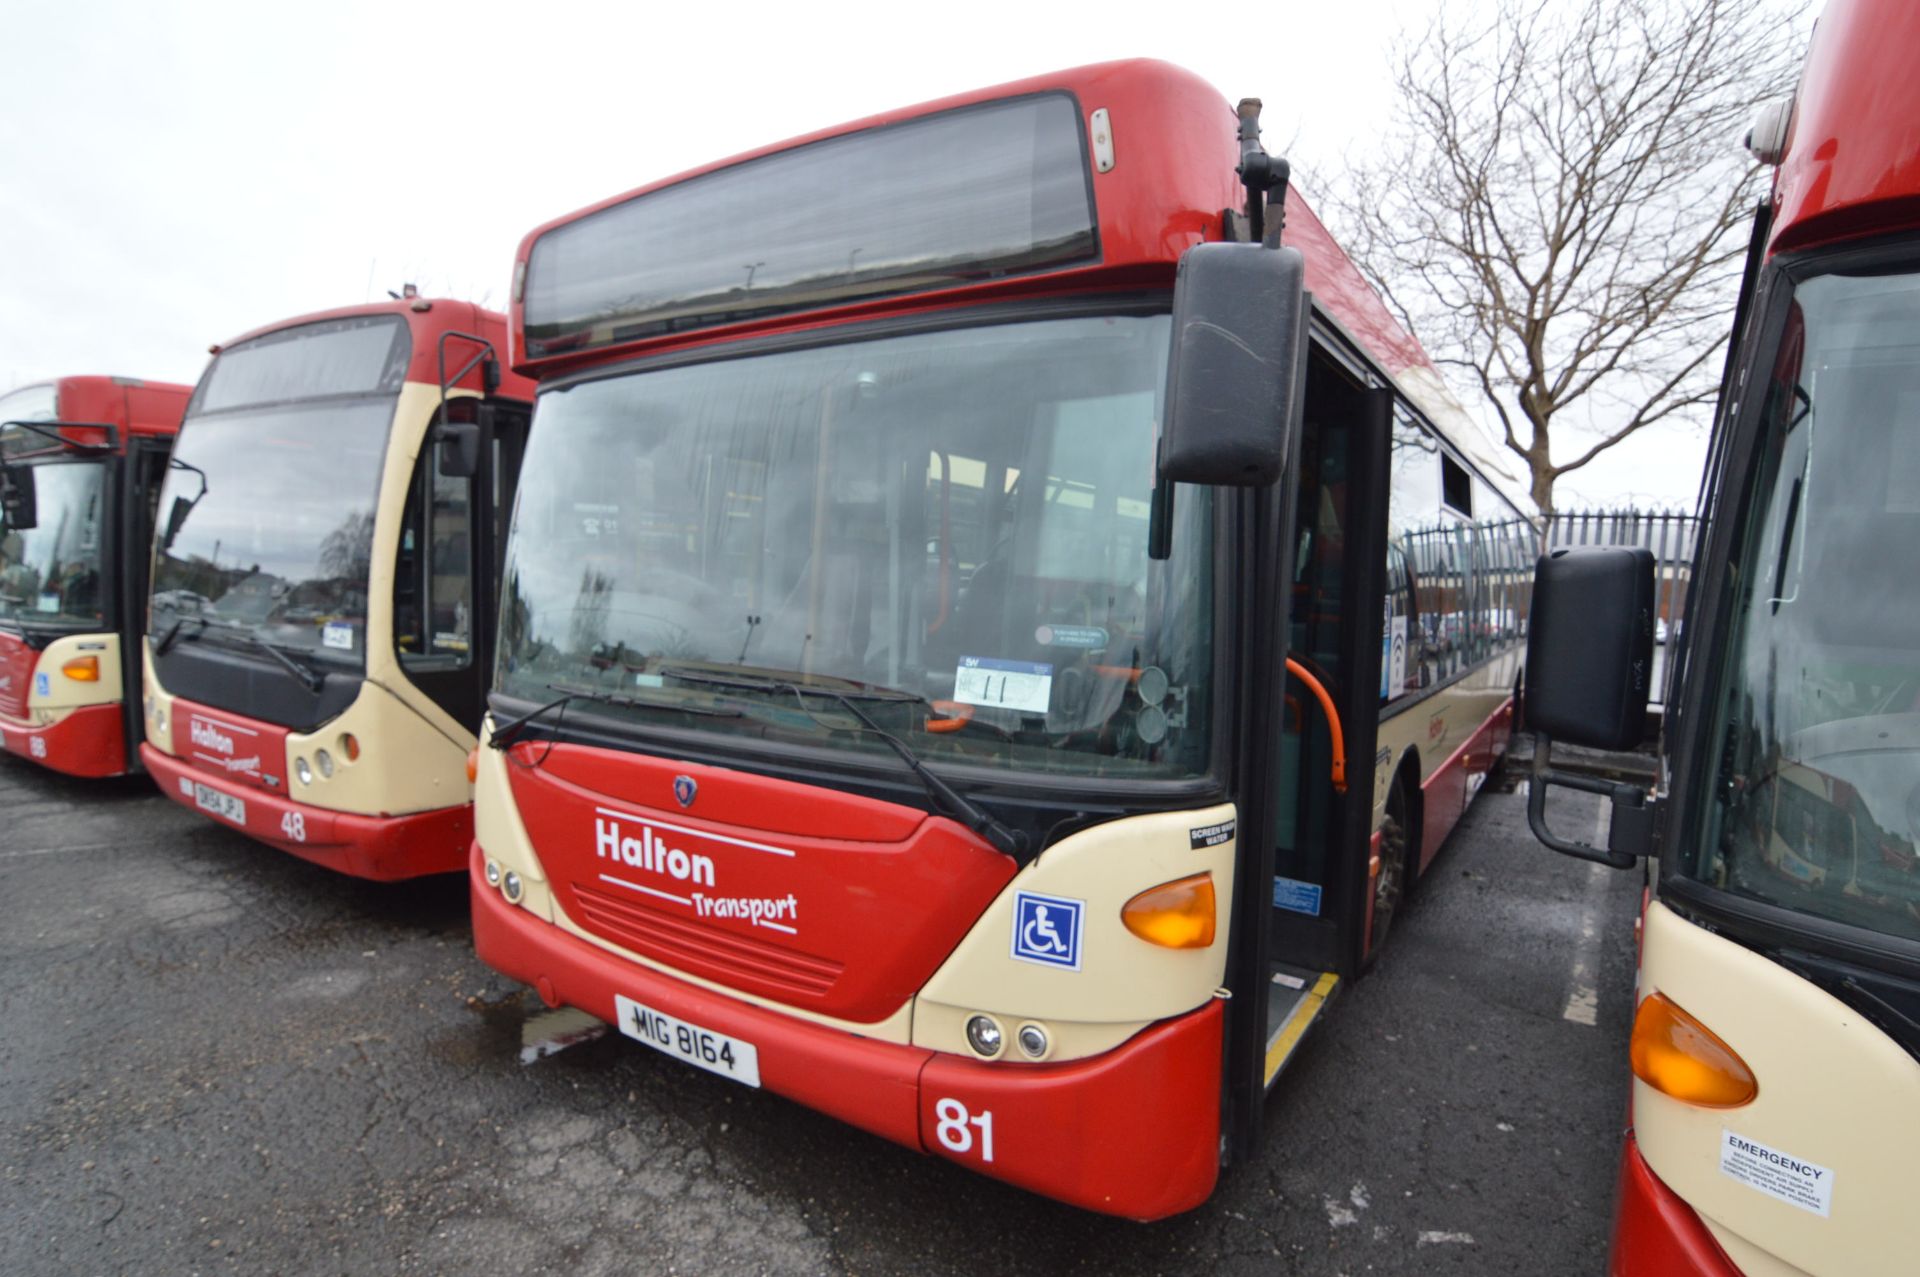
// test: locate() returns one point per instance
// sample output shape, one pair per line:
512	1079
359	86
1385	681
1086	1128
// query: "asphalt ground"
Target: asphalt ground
216	1058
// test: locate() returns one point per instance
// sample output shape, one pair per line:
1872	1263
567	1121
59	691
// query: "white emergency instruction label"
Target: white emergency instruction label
1793	1180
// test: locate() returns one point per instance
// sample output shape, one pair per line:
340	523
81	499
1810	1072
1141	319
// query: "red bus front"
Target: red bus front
315	658
83	457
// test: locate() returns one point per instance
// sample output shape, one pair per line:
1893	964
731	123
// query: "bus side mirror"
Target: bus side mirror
176	519
459	449
1589	672
1236	369
1590	645
17	497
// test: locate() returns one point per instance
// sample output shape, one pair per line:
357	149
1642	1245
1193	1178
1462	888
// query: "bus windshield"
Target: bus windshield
1817	729
947	529
50	573
266	519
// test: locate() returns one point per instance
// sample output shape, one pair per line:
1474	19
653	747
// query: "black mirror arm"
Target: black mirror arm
1629	833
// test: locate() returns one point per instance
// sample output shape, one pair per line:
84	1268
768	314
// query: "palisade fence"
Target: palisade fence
1669	534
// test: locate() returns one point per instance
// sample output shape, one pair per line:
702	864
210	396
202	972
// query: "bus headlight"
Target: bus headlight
324	761
493	873
510	884
1033	1040
984	1036
304	772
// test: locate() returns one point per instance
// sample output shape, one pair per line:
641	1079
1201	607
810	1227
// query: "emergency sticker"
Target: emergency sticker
1210	835
337	634
1793	1180
1022	685
1091	637
42	685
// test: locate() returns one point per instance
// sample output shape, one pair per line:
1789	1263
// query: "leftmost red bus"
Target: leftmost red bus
81	463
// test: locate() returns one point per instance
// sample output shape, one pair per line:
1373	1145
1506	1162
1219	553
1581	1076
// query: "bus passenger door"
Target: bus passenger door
142	471
1333	567
446	579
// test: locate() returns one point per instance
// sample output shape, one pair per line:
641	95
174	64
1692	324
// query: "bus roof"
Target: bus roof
130	405
427	318
1859	89
1175	151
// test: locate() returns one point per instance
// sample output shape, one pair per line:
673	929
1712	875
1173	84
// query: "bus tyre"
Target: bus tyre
1390	884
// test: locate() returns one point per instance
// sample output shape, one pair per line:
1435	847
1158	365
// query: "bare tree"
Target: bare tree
1559	210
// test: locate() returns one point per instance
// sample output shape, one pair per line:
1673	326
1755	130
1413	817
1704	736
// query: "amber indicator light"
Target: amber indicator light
1174	915
1675	1054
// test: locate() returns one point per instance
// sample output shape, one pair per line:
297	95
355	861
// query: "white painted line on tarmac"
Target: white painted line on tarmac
55	851
1445	1239
1583	1000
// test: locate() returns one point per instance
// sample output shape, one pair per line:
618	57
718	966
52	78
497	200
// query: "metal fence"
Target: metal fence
1669	535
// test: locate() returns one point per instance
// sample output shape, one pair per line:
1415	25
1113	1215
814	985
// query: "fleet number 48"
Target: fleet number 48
294	826
952	1128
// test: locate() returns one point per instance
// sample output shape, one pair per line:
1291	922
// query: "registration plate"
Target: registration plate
702	1048
207	798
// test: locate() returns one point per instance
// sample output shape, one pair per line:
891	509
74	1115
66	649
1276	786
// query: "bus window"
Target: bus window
433	580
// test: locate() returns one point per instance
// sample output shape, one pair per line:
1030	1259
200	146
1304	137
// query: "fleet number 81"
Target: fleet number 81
952	1128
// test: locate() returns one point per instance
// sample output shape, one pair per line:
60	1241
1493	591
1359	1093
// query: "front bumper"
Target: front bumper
1134	1132
382	848
88	741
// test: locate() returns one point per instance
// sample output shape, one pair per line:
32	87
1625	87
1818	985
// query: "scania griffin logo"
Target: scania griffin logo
684	788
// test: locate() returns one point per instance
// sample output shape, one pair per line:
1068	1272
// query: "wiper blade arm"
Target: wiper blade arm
504	734
632	702
1012	842
309	678
164	644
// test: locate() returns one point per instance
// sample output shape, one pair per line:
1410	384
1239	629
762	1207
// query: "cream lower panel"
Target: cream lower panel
503	838
407	763
1750	1259
1123	982
65	693
157	704
1835	1092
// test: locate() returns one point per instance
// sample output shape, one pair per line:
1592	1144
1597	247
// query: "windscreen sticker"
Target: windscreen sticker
1046	929
42	685
1793	1180
49	603
1018	685
1210	835
1091	637
1296	896
337	634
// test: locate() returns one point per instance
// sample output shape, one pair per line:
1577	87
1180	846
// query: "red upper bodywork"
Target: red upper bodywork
131	406
1852	164
427	319
1176	148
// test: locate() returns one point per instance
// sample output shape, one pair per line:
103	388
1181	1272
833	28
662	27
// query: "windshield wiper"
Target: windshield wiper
632	702
165	642
1012	842
311	679
504	734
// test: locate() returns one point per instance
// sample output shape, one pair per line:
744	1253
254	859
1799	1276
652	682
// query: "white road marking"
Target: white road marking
1583	1000
55	851
1446	1239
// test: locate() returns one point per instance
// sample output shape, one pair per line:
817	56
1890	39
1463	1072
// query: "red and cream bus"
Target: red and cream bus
81	463
326	550
980	651
1776	1045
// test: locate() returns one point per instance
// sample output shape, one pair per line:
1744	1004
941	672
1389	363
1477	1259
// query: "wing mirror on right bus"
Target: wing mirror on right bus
1589	667
17	497
459	448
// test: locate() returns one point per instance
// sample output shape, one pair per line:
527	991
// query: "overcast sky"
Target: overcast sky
173	174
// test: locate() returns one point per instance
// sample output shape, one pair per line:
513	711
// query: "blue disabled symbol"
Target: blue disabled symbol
1046	929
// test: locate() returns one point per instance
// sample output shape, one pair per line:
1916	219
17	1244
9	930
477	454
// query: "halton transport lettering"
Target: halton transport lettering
650	852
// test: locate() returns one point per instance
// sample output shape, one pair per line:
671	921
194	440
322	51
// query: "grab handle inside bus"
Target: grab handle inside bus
1339	738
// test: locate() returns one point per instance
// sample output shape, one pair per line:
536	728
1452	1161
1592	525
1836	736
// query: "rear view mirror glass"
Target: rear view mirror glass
17	497
1590	646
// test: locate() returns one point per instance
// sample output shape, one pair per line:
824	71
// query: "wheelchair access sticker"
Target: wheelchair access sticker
1046	929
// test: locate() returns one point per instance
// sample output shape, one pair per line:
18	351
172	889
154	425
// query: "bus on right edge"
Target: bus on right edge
1776	1046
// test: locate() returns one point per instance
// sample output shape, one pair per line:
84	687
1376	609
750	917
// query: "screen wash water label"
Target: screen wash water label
1793	1180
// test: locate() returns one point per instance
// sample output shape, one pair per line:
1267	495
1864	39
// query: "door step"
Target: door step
1295	997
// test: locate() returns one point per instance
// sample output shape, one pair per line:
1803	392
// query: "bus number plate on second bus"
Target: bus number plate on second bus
207	798
702	1048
